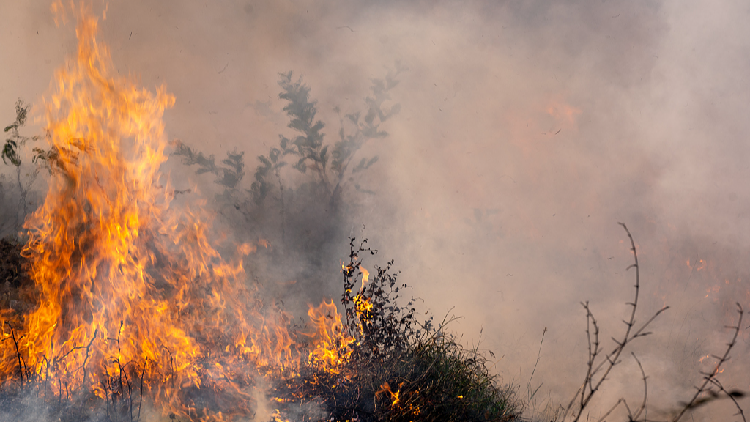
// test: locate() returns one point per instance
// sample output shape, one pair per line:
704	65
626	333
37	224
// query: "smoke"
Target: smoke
29	408
527	131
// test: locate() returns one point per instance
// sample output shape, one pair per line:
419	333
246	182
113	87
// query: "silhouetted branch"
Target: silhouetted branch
85	359
591	383
709	378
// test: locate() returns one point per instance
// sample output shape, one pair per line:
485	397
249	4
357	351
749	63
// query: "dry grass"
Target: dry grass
401	369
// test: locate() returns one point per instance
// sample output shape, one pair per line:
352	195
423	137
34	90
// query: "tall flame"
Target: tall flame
114	267
127	283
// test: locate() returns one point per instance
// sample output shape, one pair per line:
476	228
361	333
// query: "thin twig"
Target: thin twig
533	371
611	409
732	396
645	392
21	370
613	358
140	402
695	401
85	359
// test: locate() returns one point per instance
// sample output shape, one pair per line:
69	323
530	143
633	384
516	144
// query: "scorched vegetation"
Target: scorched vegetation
117	305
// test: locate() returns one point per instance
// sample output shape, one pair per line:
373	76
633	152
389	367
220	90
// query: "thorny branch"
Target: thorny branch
705	392
710	379
732	395
642	409
632	417
611	359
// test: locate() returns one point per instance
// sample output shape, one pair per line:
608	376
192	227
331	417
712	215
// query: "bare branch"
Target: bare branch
709	378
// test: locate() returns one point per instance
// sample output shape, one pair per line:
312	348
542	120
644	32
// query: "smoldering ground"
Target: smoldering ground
526	131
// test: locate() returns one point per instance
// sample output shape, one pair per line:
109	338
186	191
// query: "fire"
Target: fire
129	285
403	403
331	346
386	389
121	278
698	266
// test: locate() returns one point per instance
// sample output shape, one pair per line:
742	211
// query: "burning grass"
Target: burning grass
378	363
398	368
134	310
120	308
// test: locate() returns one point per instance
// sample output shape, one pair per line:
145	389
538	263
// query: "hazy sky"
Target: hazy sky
527	130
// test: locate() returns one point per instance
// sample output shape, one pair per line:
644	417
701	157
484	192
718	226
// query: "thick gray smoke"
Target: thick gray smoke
527	131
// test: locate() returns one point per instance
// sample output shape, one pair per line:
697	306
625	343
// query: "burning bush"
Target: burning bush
398	369
134	308
134	311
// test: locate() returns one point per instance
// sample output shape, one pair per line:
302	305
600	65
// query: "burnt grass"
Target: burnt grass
399	368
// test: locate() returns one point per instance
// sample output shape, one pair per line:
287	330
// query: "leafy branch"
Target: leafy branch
228	174
12	155
330	166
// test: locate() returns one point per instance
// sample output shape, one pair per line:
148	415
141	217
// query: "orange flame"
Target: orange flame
393	395
126	281
331	346
401	402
